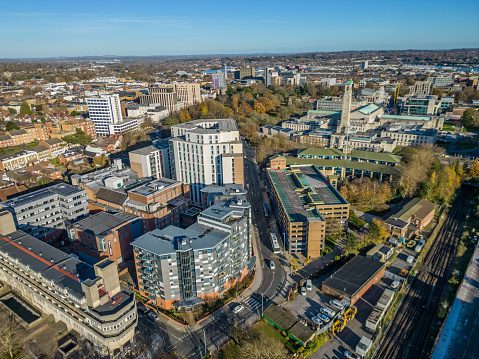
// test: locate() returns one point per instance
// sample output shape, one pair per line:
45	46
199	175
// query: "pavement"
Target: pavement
459	338
156	343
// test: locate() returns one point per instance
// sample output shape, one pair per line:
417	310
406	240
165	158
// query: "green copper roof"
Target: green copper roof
368	109
349	83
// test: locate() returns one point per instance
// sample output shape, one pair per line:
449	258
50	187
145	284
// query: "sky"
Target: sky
51	28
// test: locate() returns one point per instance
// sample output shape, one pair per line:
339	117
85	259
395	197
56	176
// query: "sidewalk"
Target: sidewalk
154	347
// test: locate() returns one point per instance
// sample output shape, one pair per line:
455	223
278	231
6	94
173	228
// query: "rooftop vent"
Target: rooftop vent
40	254
29	248
51	260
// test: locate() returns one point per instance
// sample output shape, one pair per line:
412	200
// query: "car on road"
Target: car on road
395	284
271	265
393	242
256	210
411	244
153	315
238	308
303	290
351	355
336	304
142	309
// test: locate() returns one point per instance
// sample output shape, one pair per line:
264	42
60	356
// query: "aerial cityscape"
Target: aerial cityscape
190	181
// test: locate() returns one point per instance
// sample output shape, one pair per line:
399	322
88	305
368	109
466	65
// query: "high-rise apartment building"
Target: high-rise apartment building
219	80
269	73
45	213
185	267
205	152
87	299
168	95
146	162
105	112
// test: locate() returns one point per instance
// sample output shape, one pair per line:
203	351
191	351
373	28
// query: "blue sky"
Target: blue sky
45	28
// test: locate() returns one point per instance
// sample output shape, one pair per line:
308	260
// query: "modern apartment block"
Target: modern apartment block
106	235
169	95
421	105
205	152
105	112
421	88
87	299
307	205
440	81
159	203
45	213
219	80
146	162
185	267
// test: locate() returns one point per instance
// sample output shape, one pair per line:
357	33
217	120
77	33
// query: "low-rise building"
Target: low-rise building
17	160
417	212
87	299
410	135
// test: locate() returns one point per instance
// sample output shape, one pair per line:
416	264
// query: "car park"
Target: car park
336	304
351	355
238	308
271	265
411	244
395	284
303	291
153	315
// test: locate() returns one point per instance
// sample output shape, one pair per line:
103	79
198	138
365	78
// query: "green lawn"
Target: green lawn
448	127
267	330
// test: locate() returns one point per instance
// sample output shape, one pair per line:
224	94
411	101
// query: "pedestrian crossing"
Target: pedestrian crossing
252	302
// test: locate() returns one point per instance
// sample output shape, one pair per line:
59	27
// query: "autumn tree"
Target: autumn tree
474	170
378	231
259	108
25	108
184	115
10	339
203	107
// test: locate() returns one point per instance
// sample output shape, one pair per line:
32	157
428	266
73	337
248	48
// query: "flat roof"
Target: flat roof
288	322
367	155
372	167
222	124
100	223
50	262
353	275
63	189
402	117
368	109
154	186
144	150
300	188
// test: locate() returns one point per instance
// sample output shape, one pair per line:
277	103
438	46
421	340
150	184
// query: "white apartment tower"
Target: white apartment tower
104	110
205	152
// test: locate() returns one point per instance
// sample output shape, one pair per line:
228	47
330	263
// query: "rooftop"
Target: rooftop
301	189
16	155
50	262
368	109
353	275
154	186
145	150
62	189
225	124
100	223
366	155
417	207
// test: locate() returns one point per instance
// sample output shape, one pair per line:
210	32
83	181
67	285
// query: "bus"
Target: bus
275	244
266	212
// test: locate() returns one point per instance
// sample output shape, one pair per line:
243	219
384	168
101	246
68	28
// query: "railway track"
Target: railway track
408	333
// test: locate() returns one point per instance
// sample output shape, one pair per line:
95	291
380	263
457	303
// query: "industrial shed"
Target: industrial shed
353	279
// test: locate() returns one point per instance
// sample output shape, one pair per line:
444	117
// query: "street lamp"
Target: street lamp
204	336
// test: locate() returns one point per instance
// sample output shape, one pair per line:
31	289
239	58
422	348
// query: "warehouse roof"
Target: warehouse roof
353	275
417	207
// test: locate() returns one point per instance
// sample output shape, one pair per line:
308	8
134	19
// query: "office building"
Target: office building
105	112
244	73
87	299
410	135
307	205
146	162
365	65
421	88
45	213
219	80
106	235
336	104
185	267
204	152
158	203
170	95
421	105
269	73
440	81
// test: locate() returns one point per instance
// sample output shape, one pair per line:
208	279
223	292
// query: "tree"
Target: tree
10	339
474	170
74	113
12	111
230	91
184	115
25	108
168	122
352	244
469	118
78	138
264	348
11	126
259	108
378	231
100	161
203	107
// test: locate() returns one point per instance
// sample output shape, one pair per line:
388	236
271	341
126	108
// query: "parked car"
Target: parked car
238	308
271	265
328	311
153	315
142	309
419	237
303	291
324	318
393	242
309	285
418	248
336	304
395	284
411	244
410	259
351	355
316	320
422	242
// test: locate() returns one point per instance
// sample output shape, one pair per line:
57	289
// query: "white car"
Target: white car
328	311
271	265
153	315
316	320
238	308
303	290
351	355
336	304
395	284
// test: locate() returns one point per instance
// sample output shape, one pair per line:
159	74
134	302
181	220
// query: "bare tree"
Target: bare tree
10	339
264	348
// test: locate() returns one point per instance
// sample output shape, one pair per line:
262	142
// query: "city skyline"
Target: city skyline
99	29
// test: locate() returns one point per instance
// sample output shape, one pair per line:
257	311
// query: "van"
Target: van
309	285
410	259
393	242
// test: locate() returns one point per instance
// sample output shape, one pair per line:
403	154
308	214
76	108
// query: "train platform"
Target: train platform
458	338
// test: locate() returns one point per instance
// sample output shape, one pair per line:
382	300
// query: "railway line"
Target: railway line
408	333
